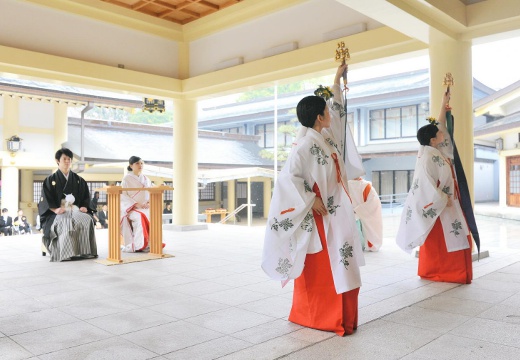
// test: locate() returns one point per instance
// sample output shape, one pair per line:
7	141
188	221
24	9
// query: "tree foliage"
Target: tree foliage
144	117
269	91
290	129
137	117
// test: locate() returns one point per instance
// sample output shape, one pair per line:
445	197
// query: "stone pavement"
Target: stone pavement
212	301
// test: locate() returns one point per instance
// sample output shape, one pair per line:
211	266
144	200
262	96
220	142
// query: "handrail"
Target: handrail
234	212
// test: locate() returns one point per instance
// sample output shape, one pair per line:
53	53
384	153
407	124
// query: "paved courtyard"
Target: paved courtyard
212	300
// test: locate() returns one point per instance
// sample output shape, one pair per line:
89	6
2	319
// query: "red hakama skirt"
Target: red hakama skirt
315	301
437	264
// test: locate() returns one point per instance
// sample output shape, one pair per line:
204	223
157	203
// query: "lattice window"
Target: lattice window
395	123
168	194
208	193
93	186
37	191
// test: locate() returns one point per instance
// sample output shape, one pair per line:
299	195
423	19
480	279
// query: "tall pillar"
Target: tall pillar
27	203
10	189
454	56
185	131
231	197
267	196
10	176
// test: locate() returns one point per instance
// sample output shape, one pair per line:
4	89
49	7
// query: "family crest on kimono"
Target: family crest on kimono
135	208
311	234
65	213
367	207
432	215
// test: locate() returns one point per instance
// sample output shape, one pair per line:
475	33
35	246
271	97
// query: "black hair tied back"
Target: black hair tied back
131	161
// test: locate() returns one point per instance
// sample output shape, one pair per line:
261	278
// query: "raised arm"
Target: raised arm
445	101
339	74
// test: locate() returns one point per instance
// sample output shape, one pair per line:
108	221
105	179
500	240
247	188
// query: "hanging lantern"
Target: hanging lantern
152	105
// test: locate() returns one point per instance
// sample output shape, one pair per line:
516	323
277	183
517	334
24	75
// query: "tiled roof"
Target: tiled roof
115	143
508	122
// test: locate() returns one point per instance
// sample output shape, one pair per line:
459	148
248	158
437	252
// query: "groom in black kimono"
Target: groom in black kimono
77	234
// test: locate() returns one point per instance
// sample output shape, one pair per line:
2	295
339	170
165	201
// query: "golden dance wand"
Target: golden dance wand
342	55
448	81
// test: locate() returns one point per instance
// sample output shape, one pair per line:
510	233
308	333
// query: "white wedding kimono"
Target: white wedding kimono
135	222
368	211
291	233
432	183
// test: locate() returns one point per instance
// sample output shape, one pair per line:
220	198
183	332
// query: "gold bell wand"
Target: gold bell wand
448	81
342	55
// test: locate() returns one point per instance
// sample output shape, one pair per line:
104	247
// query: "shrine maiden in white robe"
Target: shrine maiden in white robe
135	221
368	211
432	183
291	233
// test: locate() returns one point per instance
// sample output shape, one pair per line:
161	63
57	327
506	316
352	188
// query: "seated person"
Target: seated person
103	217
65	213
168	210
21	222
6	223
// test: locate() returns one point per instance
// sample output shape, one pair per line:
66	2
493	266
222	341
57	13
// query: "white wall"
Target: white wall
41	29
36	114
305	24
485	181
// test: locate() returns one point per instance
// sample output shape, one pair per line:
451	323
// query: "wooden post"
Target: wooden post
156	215
114	219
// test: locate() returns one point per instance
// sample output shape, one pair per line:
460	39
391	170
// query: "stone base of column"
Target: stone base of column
171	227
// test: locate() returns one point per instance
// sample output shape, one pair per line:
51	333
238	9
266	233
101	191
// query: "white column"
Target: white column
448	55
267	196
249	208
10	189
231	198
185	131
27	203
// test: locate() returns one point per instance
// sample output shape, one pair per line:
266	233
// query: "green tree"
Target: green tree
269	91
290	129
144	117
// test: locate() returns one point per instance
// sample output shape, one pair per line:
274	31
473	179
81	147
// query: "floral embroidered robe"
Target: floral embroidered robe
291	232
432	183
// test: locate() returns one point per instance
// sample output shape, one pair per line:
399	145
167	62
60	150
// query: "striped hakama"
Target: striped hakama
72	235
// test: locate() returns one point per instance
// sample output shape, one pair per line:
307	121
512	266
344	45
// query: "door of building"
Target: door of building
257	198
513	181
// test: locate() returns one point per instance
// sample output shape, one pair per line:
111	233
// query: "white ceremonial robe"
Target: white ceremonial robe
132	226
426	201
291	233
369	212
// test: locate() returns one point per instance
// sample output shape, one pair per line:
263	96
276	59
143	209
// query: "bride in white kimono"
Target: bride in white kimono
135	208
